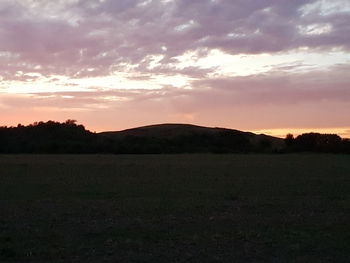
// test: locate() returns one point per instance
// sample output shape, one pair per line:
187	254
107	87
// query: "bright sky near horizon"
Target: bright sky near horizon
265	66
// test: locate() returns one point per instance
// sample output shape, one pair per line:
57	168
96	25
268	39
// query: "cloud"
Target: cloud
173	52
274	87
268	100
94	38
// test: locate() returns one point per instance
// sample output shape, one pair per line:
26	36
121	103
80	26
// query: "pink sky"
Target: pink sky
266	66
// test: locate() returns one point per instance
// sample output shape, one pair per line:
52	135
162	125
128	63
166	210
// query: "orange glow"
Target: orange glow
343	132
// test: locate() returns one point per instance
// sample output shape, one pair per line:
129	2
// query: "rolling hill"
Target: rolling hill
68	137
186	138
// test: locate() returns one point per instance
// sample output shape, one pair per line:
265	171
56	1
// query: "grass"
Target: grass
174	208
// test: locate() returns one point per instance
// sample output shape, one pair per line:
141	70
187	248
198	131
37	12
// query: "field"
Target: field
175	208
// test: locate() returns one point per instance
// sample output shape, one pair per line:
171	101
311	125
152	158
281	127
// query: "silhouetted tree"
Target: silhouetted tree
47	137
314	142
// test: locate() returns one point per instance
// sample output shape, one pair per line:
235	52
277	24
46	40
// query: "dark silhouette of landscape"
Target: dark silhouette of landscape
61	202
70	137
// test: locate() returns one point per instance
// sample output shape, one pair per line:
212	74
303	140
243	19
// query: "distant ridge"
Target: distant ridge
68	137
168	130
175	137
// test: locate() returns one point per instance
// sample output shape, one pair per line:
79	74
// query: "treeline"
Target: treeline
316	142
69	137
47	137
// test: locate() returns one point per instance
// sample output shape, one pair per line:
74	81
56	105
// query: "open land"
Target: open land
175	208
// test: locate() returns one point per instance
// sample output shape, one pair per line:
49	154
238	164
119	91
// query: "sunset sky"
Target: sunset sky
272	66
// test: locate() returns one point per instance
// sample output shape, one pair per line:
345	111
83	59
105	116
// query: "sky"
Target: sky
272	66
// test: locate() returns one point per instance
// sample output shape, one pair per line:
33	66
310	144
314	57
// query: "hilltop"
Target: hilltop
68	137
177	138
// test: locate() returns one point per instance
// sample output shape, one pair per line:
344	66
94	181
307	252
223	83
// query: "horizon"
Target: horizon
272	67
279	133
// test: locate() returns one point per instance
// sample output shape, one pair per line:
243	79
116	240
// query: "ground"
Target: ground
175	208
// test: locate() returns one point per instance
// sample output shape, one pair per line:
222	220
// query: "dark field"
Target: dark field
174	208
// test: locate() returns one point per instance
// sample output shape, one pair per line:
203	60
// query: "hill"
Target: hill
68	137
187	138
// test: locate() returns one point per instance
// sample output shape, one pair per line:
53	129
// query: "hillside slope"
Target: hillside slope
178	138
68	137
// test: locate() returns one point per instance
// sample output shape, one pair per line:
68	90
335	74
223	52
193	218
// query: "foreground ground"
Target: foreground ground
174	208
